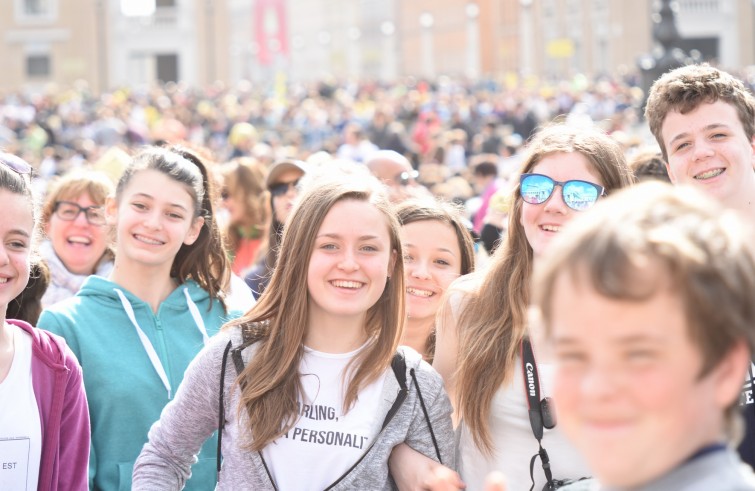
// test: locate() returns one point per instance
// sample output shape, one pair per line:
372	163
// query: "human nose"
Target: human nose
599	383
348	261
419	269
81	217
4	258
556	202
703	149
152	220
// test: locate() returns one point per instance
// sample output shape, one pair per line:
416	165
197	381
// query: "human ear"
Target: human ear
194	230
730	372
111	210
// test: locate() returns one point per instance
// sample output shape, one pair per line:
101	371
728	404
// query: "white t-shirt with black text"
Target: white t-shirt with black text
324	443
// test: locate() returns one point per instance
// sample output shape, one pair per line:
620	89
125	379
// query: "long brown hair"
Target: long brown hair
493	321
203	261
436	210
270	384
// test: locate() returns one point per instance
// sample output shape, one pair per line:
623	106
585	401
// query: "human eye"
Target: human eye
570	357
640	355
681	146
67	211
442	262
408	258
174	215
18	244
370	248
328	246
139	206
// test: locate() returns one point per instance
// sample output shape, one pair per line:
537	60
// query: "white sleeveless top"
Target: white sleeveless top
514	442
20	427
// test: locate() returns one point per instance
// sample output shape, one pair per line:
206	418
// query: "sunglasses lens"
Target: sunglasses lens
580	195
282	188
535	189
16	163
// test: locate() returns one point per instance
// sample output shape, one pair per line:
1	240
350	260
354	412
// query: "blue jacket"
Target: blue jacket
125	391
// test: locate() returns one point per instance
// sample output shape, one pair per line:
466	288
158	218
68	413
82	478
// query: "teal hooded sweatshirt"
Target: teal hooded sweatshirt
124	387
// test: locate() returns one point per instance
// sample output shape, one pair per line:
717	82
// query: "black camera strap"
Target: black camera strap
540	410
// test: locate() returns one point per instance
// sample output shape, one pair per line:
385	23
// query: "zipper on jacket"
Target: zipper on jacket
164	350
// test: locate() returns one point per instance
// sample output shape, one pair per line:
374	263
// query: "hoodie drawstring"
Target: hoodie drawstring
151	353
196	315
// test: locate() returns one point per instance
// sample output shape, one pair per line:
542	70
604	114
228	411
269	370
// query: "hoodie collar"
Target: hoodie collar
48	347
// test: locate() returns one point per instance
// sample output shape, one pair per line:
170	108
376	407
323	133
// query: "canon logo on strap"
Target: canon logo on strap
530	379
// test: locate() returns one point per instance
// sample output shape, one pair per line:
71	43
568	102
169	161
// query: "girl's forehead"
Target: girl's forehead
158	185
18	211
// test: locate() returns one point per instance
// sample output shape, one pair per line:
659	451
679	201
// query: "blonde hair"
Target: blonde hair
270	385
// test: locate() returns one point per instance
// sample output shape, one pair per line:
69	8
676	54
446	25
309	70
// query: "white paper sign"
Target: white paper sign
14	463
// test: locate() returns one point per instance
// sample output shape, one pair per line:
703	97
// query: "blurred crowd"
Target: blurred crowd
430	122
463	140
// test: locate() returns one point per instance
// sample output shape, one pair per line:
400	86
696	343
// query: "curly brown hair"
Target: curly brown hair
685	88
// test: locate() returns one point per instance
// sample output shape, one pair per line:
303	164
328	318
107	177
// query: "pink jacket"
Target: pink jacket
63	411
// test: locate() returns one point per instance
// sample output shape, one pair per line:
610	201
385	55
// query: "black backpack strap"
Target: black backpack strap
238	361
248	335
221	405
427	417
398	364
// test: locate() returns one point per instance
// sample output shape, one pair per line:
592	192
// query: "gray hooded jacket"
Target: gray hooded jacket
192	416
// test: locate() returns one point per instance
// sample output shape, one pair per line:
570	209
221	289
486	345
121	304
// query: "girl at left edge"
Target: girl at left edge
45	430
137	331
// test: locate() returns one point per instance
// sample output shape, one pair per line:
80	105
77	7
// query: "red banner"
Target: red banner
271	29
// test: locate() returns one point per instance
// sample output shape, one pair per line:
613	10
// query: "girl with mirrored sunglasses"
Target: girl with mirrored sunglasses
483	323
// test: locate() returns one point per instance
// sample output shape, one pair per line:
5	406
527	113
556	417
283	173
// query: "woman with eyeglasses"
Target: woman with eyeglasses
483	327
136	331
282	181
245	200
77	245
44	422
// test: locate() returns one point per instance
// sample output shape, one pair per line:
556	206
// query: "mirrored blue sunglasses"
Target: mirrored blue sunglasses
578	195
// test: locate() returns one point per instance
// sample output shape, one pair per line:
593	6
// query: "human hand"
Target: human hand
441	478
413	471
495	481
